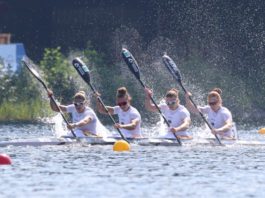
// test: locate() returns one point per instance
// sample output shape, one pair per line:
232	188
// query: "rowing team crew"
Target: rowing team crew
85	122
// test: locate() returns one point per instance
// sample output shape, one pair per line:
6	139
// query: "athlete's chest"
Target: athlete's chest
124	117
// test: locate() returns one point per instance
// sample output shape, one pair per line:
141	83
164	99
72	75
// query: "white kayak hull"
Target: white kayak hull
110	141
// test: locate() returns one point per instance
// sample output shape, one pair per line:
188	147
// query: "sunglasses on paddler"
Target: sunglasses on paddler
212	103
77	104
169	103
122	103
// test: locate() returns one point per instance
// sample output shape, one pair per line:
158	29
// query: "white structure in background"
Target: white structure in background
11	55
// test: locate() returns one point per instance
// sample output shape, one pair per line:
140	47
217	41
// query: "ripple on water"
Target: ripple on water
97	171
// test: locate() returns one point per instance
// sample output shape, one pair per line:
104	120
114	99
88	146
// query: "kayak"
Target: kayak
52	141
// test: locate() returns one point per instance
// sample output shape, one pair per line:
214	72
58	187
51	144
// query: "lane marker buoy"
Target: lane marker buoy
121	145
5	159
262	131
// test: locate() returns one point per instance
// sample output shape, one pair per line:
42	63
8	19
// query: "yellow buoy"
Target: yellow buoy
121	145
262	131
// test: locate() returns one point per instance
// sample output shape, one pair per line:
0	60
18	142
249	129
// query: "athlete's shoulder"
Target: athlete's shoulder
70	108
134	110
225	110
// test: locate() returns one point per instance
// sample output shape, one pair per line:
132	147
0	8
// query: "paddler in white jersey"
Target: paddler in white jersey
84	120
177	115
219	117
129	117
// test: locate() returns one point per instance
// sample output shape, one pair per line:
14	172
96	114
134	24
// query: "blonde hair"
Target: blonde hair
122	92
172	93
80	95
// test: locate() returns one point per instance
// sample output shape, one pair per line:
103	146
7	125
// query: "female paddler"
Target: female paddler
84	120
218	116
177	115
129	117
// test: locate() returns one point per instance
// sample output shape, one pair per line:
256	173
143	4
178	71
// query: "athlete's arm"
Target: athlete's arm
54	107
149	105
228	125
147	101
189	105
184	126
130	126
81	123
102	110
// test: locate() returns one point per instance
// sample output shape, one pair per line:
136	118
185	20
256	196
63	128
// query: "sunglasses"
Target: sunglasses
169	103
77	104
122	103
212	103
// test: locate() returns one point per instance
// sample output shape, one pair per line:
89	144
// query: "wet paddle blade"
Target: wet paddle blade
31	67
172	67
131	62
82	69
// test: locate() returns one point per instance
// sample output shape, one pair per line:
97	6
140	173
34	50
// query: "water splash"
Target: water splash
59	128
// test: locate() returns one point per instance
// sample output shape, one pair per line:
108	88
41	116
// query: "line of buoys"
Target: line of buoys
5	159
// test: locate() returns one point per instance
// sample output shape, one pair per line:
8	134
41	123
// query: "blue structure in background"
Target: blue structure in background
11	55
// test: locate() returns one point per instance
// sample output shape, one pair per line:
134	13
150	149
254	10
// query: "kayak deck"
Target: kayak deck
110	141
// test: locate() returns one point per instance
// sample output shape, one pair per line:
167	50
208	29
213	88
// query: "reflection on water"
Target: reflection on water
150	171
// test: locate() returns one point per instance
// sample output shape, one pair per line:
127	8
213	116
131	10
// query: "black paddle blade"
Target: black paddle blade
82	69
172	67
30	66
131	62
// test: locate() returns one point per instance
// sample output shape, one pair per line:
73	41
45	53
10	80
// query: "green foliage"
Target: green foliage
19	96
20	93
59	73
23	111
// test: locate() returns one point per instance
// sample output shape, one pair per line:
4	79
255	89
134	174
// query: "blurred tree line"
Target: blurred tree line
215	43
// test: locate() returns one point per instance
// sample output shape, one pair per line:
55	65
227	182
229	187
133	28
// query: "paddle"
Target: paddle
173	69
83	71
134	68
29	66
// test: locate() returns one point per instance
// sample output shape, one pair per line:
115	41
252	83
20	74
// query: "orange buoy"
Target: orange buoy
121	145
262	131
5	159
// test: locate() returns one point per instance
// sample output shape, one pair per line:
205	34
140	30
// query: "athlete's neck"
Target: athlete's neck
126	108
174	108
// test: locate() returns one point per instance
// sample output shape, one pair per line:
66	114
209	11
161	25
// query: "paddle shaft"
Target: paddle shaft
166	121
51	97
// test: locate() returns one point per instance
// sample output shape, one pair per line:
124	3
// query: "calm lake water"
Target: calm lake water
150	171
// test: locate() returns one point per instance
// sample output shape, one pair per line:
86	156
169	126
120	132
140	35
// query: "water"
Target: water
97	171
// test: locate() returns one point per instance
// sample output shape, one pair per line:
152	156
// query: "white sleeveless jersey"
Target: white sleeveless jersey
218	119
125	117
95	126
175	119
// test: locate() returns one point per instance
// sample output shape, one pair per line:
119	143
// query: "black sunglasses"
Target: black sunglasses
212	103
122	103
171	103
77	104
